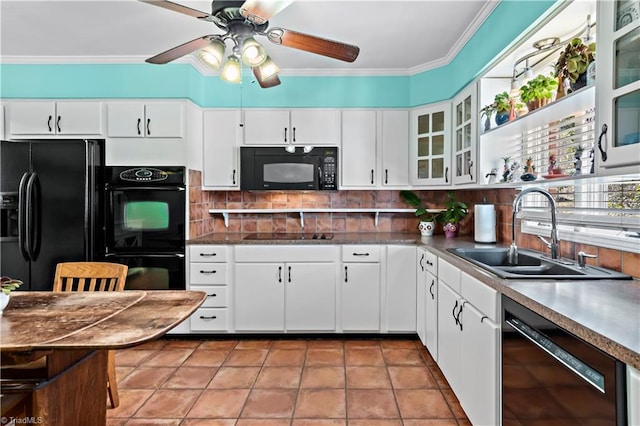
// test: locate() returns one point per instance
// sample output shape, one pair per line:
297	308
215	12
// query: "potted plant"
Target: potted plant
7	285
455	211
502	105
487	111
427	219
538	91
573	63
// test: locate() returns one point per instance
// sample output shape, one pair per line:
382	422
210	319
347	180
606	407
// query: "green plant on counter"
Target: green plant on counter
413	200
575	59
8	284
455	210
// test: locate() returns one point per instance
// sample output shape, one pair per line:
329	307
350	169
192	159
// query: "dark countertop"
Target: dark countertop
605	313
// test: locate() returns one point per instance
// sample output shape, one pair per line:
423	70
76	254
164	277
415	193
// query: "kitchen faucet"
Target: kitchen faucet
554	244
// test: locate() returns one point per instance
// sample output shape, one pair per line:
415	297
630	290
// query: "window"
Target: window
597	212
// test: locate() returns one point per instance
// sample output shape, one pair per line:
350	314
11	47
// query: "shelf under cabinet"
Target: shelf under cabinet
226	212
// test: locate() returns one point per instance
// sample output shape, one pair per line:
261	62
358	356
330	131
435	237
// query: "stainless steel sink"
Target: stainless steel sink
531	265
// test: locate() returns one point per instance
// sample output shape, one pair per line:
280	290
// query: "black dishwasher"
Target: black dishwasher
550	376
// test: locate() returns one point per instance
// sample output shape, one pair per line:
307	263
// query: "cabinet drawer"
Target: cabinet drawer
216	296
430	262
449	274
208	319
208	253
285	253
208	273
363	253
480	295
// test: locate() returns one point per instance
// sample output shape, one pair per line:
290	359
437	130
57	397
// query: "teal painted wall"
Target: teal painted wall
109	81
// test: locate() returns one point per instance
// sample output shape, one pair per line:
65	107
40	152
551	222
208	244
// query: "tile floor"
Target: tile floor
298	382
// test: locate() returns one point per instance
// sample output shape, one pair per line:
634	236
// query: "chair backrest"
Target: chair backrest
90	276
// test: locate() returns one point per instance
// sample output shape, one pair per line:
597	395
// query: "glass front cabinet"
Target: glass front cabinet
465	136
618	87
431	145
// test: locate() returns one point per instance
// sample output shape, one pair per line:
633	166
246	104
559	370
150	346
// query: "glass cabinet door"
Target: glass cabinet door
431	145
464	133
618	87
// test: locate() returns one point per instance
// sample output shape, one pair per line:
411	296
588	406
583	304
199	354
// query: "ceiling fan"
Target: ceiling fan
240	21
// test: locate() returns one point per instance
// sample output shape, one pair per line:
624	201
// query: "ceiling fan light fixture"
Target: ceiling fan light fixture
253	53
268	69
232	72
211	55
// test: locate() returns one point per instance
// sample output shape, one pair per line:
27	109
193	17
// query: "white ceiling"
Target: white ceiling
396	37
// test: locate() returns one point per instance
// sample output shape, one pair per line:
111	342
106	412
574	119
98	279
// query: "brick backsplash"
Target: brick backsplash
202	223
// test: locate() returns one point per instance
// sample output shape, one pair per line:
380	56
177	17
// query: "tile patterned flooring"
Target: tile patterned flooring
297	382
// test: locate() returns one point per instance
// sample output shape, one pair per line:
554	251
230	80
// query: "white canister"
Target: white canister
485	223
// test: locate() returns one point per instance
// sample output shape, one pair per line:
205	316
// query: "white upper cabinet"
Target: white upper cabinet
221	133
431	145
299	126
62	118
465	136
618	88
358	153
375	148
145	120
395	148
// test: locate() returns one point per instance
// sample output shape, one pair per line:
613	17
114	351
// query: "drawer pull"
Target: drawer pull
208	318
361	254
212	295
208	254
430	263
207	272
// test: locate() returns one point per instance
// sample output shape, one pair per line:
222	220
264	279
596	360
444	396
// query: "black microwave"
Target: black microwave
274	168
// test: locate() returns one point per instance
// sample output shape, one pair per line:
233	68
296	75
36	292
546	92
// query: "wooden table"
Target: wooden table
74	330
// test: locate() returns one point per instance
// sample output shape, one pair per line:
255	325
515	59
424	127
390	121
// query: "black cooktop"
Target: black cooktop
290	236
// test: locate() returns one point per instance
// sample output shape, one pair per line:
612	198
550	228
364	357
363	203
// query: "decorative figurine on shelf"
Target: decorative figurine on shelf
552	169
578	160
492	176
514	176
529	171
505	170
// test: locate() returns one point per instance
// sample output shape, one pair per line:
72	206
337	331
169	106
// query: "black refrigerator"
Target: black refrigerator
51	207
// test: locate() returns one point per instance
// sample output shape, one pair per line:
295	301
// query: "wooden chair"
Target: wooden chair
94	276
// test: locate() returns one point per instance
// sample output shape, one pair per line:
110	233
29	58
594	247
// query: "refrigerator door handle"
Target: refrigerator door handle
33	217
22	217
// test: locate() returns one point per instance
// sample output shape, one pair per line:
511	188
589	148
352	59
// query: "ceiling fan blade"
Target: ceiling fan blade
266	82
178	51
321	46
260	11
175	7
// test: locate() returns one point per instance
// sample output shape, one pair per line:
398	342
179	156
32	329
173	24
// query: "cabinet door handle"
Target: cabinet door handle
346	279
49	122
208	272
58	123
294	134
386	176
372	176
138	125
361	254
234	176
208	254
446	174
603	153
285	134
279	274
458	319
421	259
454	312
208	318
289	273
212	295
433	296
148	126
470	169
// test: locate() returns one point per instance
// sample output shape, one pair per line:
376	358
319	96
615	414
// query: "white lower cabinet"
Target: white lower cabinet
209	272
401	288
468	342
361	288
276	295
